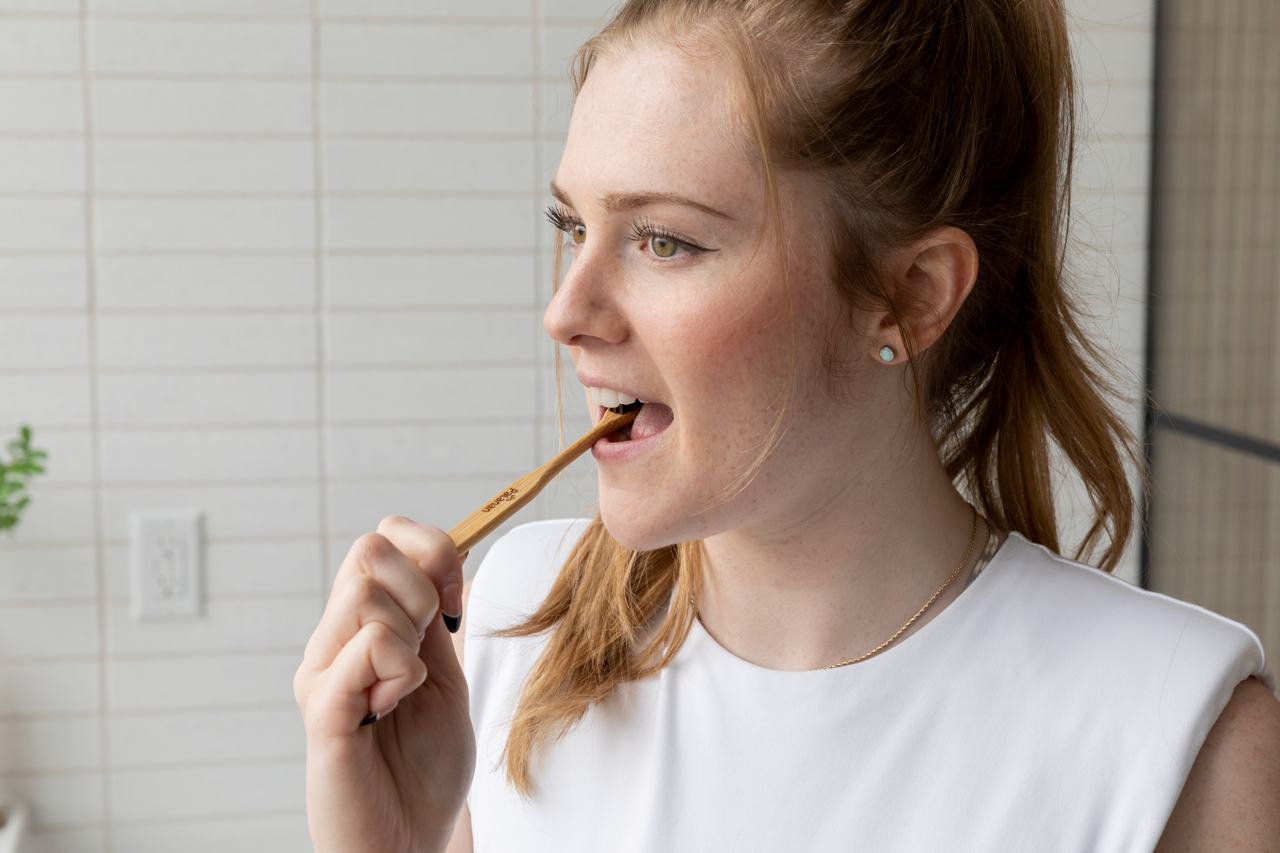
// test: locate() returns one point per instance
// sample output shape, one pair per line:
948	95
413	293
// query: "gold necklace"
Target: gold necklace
973	533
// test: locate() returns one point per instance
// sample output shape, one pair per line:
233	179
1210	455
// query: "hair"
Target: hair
905	116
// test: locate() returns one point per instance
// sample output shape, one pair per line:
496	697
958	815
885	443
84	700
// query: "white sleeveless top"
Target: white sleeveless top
1048	707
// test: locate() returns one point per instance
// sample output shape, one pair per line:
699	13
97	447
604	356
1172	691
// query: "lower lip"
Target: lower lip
605	450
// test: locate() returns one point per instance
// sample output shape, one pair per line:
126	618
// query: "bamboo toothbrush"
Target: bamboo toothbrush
481	522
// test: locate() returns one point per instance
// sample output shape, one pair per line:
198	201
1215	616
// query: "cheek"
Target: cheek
736	354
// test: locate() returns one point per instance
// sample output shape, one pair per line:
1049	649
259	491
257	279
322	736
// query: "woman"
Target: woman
823	243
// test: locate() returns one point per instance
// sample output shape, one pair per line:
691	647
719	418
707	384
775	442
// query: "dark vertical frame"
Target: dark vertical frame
1153	272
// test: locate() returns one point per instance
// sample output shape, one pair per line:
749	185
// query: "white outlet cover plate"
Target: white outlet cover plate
166	563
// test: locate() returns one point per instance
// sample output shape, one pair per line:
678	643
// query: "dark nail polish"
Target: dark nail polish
372	718
451	622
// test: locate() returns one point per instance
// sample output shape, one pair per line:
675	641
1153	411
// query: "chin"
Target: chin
633	522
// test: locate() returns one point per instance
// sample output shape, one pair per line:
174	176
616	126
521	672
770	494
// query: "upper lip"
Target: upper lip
597	382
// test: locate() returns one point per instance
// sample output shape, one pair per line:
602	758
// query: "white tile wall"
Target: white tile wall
1114	45
232	276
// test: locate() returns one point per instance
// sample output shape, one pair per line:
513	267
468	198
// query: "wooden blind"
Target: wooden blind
1215	507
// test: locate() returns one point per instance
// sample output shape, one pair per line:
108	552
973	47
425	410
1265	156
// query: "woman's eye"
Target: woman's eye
664	246
661	242
564	221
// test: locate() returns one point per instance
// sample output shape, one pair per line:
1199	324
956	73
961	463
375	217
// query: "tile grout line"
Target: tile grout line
536	94
409	78
286	135
322	319
95	443
181	195
459	21
1076	24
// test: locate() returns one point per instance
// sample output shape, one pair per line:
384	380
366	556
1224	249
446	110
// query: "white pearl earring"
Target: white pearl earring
886	353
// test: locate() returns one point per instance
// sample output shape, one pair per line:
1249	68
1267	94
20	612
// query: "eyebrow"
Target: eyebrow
618	201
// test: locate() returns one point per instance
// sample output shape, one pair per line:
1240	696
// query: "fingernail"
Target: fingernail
372	718
451	602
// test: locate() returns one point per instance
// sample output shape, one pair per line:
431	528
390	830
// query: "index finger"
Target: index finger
433	551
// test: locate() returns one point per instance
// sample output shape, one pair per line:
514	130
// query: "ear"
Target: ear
931	278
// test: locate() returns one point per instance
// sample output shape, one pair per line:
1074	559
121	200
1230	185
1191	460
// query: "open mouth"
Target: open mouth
652	419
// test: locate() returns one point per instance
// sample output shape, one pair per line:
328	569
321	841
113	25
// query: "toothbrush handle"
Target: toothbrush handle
480	523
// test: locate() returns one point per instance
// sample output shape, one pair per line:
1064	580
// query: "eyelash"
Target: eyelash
641	230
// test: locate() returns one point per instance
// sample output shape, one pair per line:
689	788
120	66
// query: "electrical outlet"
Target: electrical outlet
166	563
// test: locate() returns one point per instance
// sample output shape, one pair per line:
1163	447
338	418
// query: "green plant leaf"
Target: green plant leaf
23	465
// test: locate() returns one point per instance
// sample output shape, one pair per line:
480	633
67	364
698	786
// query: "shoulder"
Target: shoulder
517	570
1190	686
1165	664
1103	618
1231	798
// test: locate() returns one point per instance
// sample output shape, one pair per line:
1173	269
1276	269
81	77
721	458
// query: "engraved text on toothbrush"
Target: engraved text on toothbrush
508	495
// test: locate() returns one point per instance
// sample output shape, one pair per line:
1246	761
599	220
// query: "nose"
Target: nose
583	307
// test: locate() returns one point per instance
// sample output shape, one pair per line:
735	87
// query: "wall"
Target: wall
285	261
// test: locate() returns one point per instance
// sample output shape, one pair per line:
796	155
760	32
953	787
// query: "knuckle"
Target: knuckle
392	521
379	633
373	546
363	589
438	548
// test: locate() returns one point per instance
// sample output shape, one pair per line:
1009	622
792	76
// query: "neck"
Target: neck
835	584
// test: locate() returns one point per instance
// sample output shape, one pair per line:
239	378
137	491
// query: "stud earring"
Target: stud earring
886	353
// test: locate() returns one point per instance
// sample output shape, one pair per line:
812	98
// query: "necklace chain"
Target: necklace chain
973	534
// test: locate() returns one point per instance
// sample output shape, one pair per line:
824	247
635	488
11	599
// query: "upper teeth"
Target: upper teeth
608	397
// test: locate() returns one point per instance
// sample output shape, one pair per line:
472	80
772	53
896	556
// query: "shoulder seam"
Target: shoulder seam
1233	623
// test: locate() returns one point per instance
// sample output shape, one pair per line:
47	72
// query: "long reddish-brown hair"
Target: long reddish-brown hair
908	115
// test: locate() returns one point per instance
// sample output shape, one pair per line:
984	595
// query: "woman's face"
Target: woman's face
693	322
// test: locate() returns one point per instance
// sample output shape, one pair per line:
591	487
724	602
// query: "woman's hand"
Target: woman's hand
397	785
